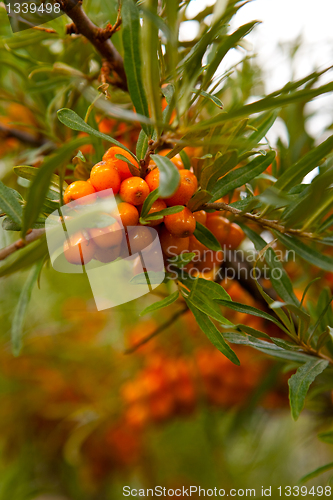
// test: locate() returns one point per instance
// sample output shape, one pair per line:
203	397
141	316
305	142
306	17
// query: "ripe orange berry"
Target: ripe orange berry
171	245
157	206
104	176
120	165
78	249
197	247
181	224
235	236
210	260
134	190
220	227
176	160
139	238
106	125
129	214
200	216
188	186
105	237
78	189
107	255
153	179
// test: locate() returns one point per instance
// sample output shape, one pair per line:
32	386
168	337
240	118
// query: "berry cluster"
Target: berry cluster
176	230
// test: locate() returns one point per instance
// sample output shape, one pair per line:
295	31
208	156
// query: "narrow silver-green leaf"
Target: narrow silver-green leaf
300	382
241	175
131	30
212	333
9	204
169	175
161	304
206	237
21	308
73	121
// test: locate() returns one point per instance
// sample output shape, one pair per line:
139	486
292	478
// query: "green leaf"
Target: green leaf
41	181
295	174
300	382
267	347
162	303
211	97
200	198
281	283
147	204
206	237
132	168
185	159
307	253
154	278
202	296
22	305
243	308
142	145
268	102
182	260
24	258
131	30
29	173
326	436
316	472
212	333
73	121
227	43
9	204
169	175
220	167
242	175
166	211
151	61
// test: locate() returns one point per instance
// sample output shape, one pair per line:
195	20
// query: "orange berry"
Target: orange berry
129	214
220	227
235	236
181	224
210	260
200	216
103	176
134	190
176	160
171	245
196	246
78	249
153	179
107	255
120	165
139	238
106	125
105	237
157	206
188	186
78	189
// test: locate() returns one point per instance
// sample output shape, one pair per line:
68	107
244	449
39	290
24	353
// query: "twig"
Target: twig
272	224
83	25
34	235
24	137
158	330
144	164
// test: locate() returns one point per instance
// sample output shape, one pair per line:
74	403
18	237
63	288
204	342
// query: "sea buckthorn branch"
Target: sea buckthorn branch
25	137
271	224
157	331
33	235
98	37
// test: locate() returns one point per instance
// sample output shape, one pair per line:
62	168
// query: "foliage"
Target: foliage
62	95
